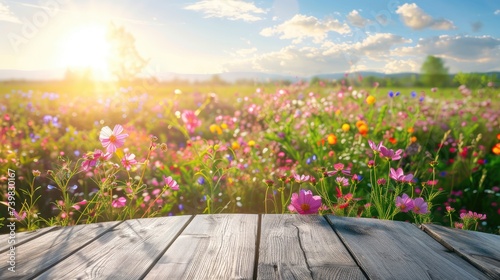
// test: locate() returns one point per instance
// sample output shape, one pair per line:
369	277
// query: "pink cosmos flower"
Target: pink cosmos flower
119	202
112	139
190	120
390	154
171	183
399	176
342	181
128	161
305	202
339	167
92	159
301	178
419	206
404	203
19	217
374	147
432	183
381	181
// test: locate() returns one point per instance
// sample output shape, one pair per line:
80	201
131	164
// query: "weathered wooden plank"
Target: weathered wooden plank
303	247
211	247
125	252
22	237
479	248
399	250
40	253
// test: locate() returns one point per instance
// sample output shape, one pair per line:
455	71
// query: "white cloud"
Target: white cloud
356	19
463	48
461	53
374	47
292	60
415	18
7	15
302	26
243	52
329	57
230	9
497	12
398	66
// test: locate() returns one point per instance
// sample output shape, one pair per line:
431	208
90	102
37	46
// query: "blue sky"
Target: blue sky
292	37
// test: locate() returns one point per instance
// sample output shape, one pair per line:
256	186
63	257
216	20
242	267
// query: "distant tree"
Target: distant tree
434	73
369	81
125	61
471	80
217	80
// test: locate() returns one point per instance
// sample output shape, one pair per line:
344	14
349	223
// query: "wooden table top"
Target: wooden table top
251	246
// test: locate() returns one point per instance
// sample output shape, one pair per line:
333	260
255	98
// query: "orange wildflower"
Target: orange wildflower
496	149
359	123
363	129
235	145
332	139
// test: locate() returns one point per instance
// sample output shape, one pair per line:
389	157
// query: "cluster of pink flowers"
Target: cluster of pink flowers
112	140
190	120
91	159
472	215
417	205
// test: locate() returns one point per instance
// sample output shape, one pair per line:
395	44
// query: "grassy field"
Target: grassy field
249	149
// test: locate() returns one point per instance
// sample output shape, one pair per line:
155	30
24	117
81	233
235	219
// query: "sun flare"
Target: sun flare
86	47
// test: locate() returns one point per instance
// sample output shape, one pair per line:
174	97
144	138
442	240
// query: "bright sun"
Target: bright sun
86	47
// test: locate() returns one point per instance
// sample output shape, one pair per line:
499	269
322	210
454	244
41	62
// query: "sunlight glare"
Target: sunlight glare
87	48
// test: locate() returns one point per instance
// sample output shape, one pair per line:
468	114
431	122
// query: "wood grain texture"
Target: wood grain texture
22	237
479	248
125	252
48	249
211	247
399	250
303	247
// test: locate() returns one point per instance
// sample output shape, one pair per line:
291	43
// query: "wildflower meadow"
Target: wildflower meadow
423	155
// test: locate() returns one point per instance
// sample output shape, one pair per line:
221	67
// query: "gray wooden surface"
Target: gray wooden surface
479	248
303	247
251	246
397	250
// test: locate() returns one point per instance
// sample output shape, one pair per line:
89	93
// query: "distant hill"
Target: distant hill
58	74
31	75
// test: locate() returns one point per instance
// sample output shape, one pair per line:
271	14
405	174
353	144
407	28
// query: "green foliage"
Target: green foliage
473	80
434	73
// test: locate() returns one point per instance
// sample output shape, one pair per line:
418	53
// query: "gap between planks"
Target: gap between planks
168	246
347	247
